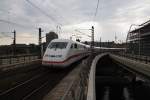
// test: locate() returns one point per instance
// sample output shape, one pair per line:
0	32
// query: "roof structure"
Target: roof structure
143	28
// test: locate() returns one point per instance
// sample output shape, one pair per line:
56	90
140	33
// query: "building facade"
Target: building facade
50	36
138	40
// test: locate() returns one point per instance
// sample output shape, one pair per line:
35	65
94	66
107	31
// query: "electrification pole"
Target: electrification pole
92	40
40	31
139	42
40	42
100	44
14	42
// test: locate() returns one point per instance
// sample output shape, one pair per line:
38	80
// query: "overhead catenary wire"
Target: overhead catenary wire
43	12
14	23
3	35
96	8
83	33
58	16
96	11
10	13
94	16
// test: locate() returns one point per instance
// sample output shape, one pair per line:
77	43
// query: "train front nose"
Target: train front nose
53	58
55	53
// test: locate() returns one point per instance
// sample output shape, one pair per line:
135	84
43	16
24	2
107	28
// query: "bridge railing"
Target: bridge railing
13	59
141	58
77	90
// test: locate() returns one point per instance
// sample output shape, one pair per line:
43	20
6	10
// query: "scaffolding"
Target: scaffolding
138	40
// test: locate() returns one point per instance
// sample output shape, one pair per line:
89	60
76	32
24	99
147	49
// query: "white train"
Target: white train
63	52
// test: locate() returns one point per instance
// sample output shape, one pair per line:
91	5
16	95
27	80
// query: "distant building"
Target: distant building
139	40
50	36
19	49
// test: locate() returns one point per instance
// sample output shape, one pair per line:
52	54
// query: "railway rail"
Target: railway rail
112	80
36	87
12	78
139	58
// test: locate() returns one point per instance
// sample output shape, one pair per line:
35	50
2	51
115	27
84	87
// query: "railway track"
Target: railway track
36	87
115	82
15	77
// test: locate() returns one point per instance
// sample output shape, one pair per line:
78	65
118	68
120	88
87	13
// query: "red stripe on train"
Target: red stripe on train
73	56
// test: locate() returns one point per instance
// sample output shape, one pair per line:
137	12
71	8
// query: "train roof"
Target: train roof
67	40
61	40
110	48
71	41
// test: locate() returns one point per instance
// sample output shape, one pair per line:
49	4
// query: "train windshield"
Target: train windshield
58	45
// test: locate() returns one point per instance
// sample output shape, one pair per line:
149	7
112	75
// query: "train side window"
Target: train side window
75	46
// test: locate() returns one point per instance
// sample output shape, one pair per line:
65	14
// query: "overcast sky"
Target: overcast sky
113	17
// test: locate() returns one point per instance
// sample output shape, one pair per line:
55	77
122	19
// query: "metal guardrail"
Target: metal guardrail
8	60
77	90
141	58
139	69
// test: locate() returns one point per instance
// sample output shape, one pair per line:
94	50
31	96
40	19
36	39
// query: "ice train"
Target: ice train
63	52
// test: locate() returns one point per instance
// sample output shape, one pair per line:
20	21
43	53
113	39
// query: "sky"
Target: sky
70	18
